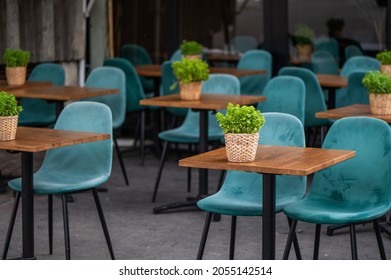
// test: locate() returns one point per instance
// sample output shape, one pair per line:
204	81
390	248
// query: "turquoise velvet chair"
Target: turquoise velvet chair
134	93
314	99
189	131
352	50
356	93
138	55
354	191
241	192
243	44
82	167
323	62
330	46
111	77
38	112
255	59
284	94
353	64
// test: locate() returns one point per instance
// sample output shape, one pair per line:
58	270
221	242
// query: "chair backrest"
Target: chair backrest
168	79
364	179
138	55
360	63
330	45
352	50
255	59
110	77
218	84
323	62
284	94
282	130
134	89
37	112
356	93
314	98
89	160
244	43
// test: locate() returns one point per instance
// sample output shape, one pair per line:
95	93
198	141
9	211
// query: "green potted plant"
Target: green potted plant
302	39
16	61
384	58
191	49
241	126
190	73
379	89
9	113
335	26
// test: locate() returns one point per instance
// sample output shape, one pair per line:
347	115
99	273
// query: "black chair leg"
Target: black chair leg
50	223
121	162
353	242
204	236
103	222
317	241
66	227
162	159
379	240
232	239
295	242
189	171
142	137
289	240
11	225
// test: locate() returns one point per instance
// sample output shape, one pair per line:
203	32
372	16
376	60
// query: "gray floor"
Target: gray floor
138	234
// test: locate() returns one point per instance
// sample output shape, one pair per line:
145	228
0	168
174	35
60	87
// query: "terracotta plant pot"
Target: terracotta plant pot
8	126
241	147
385	69
304	51
190	91
380	104
16	76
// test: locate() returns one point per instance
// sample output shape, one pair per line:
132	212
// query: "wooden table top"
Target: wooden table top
208	101
62	93
155	71
335	81
295	60
273	160
34	139
221	57
6	87
351	111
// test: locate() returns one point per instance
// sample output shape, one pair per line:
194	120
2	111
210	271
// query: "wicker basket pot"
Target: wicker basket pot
16	76
380	104
192	56
190	91
8	127
241	147
385	69
304	51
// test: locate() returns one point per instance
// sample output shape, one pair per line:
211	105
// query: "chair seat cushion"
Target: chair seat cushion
314	209
50	182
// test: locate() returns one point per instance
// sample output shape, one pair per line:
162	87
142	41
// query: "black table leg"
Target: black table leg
269	217
27	206
331	99
203	173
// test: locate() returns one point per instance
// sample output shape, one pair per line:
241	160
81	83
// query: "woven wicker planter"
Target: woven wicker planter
8	127
16	76
380	104
190	91
193	56
385	69
304	51
241	147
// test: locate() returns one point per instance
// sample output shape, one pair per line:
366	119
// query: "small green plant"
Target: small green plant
384	57
303	35
240	119
16	57
9	105
377	82
190	70
190	48
335	24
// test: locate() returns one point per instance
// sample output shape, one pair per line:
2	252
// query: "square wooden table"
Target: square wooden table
4	86
332	83
61	94
28	141
271	161
208	102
